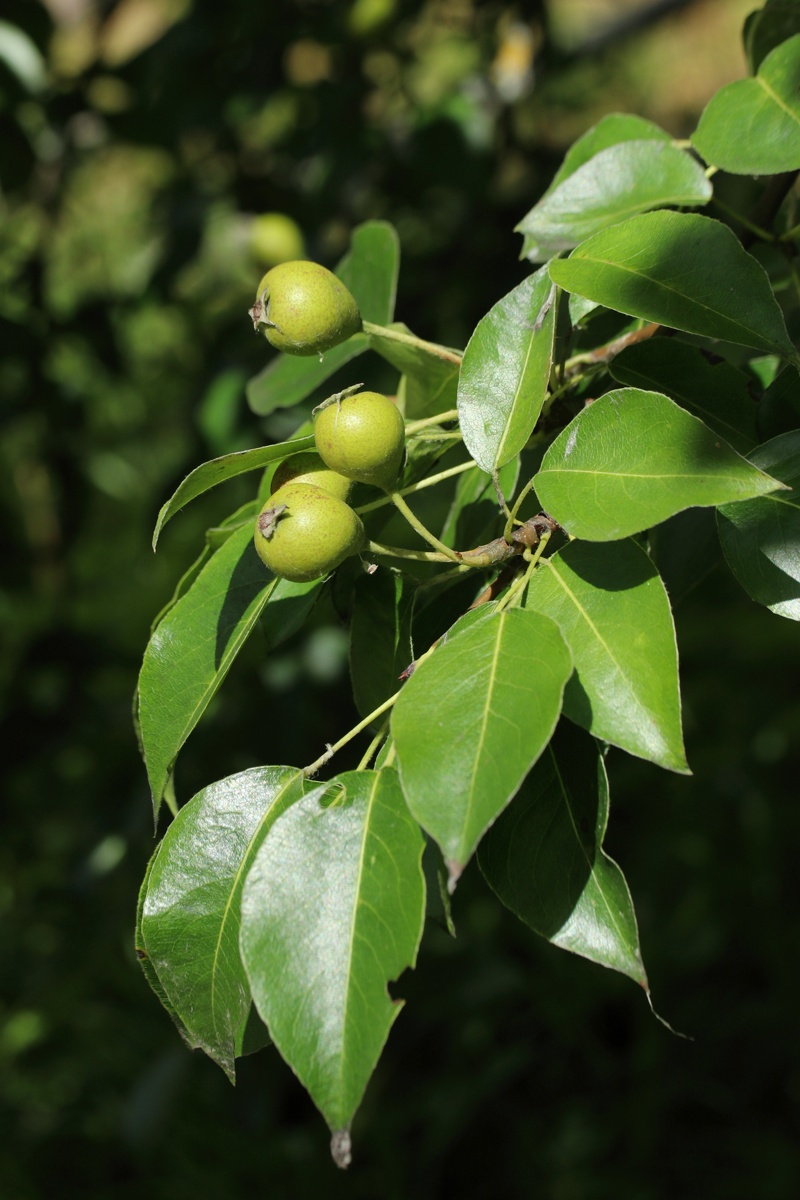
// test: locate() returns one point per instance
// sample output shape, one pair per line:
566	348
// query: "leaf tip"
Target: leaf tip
341	1149
454	870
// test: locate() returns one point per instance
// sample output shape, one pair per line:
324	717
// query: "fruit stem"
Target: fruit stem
348	737
415	523
415	555
409	339
413	427
418	487
372	748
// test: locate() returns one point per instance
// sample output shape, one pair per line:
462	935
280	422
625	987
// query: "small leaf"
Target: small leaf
752	126
682	270
613	613
332	910
761	538
190	916
472	720
369	270
716	393
631	177
192	649
545	860
632	459
505	373
218	470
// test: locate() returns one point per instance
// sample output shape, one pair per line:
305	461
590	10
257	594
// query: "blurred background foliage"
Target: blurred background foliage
156	156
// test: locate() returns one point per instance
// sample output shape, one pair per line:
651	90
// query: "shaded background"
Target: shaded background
139	140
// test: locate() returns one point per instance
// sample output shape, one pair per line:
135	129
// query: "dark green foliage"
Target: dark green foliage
285	905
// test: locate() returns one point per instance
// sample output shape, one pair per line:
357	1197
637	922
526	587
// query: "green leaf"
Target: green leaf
429	381
761	538
631	177
685	549
190	916
333	909
752	126
145	961
192	649
768	27
632	459
545	860
505	373
472	720
611	130
682	270
380	636
287	379
613	613
717	393
218	470
288	606
370	270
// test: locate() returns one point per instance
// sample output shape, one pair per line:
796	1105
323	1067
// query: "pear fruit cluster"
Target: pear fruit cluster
307	529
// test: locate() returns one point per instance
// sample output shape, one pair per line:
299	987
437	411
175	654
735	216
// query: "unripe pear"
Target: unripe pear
304	309
303	532
307	467
362	437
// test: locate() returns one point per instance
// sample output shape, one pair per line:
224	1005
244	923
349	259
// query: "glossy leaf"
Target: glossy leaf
332	911
218	470
630	177
761	538
610	130
752	126
370	270
613	613
192	649
472	720
147	964
717	393
505	373
545	860
380	636
191	910
632	459
682	270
